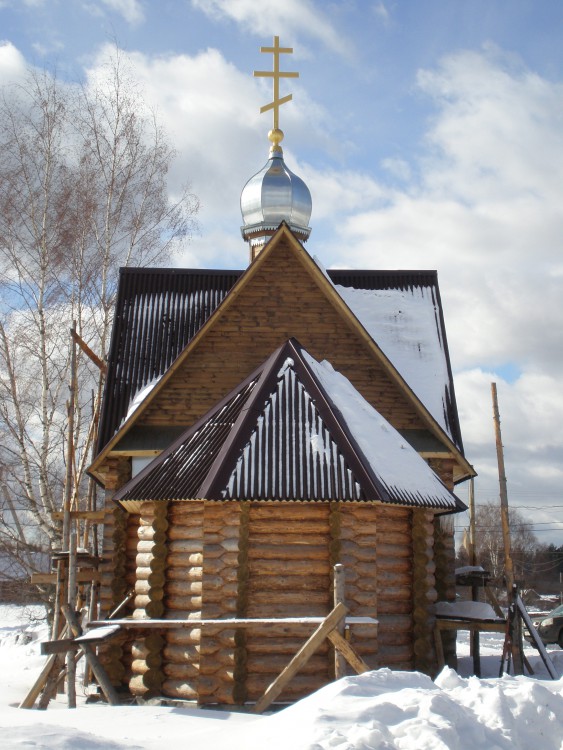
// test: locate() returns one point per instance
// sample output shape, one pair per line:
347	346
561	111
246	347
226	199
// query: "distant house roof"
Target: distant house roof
293	430
159	311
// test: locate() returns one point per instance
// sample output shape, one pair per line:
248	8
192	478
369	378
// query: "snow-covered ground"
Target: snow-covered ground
384	710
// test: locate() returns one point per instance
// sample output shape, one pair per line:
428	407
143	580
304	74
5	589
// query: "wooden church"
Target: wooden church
259	427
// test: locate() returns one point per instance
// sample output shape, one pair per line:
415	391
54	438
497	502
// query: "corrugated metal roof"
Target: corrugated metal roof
279	436
158	311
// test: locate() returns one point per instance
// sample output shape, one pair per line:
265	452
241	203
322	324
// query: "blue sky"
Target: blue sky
430	133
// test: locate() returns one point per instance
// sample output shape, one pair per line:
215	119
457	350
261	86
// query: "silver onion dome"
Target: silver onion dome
273	195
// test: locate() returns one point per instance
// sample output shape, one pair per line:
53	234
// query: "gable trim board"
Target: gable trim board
463	468
261	442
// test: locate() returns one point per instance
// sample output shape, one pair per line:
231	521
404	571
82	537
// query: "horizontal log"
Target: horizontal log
218	564
289	598
182	573
259	646
277	610
293	538
153	592
189	534
183	588
137	686
301	582
181	689
186	547
274	664
219	550
289	512
393	607
279	526
300	686
185	602
182	614
287	552
227	581
184	637
297	567
182	654
359	600
353	554
187	671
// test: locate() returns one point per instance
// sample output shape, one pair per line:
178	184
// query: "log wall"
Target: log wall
424	591
183	598
358	554
395	586
116	574
289	576
147	675
221	522
282	300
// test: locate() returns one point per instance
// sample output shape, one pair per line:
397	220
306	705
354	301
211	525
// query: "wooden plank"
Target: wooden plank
96	516
232	622
301	657
348	652
483	626
550	666
86	575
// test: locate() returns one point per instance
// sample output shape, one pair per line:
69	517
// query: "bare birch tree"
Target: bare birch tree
83	191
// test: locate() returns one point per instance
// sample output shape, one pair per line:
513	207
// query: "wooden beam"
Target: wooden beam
301	657
88	352
348	652
231	622
86	575
96	516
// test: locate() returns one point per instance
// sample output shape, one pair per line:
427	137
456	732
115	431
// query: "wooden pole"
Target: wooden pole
508	567
70	442
474	636
70	662
339	598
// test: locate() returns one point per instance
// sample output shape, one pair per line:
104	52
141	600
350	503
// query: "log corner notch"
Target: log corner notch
327	629
424	591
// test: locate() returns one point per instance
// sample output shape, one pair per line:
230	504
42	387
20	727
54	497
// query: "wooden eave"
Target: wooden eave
464	468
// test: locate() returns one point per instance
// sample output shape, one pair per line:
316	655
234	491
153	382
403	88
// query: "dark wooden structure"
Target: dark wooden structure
205	532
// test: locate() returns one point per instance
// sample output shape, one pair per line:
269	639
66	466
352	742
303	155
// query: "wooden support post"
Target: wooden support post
508	567
70	662
339	598
92	659
474	635
301	657
347	652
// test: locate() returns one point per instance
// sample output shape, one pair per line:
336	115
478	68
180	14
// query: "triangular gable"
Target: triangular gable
323	284
293	430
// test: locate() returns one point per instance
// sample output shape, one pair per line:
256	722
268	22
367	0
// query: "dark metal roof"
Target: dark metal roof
158	311
277	436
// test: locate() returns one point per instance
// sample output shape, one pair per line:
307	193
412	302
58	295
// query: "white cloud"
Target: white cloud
12	63
131	10
288	19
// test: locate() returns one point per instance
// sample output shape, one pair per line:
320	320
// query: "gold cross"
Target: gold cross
276	74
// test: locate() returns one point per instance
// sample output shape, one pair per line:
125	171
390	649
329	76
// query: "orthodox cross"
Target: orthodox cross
276	74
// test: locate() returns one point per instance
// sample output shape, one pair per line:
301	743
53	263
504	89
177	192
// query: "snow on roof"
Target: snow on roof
405	325
396	464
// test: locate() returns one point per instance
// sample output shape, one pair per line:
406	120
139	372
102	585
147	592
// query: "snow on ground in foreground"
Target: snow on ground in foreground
381	710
